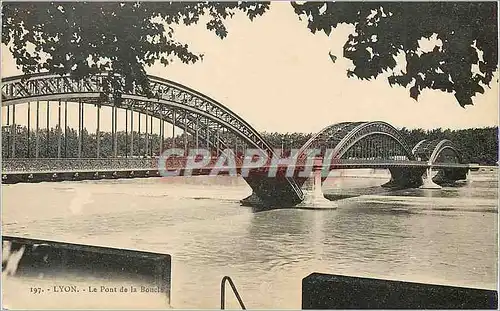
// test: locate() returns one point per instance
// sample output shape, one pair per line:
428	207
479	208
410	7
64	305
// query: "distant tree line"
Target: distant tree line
56	143
479	145
463	63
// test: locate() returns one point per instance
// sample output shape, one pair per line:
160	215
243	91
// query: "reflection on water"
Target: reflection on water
446	236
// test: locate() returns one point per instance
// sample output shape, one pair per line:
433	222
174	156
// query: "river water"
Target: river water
446	236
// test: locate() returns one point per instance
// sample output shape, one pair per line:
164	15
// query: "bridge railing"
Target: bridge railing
97	164
79	164
107	164
69	164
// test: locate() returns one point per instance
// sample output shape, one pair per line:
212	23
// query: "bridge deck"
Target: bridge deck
300	167
27	170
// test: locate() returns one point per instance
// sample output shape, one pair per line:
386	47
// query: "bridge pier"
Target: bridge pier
403	178
313	194
269	192
428	183
448	176
253	200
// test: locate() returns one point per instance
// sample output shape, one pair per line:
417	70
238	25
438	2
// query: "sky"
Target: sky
278	76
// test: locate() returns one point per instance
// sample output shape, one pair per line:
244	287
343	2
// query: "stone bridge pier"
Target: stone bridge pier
269	192
272	191
405	177
437	178
450	175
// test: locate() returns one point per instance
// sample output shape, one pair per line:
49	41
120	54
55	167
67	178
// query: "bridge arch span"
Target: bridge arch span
375	138
200	116
376	142
431	150
418	146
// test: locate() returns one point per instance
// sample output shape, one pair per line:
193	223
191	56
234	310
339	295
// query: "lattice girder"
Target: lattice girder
167	96
191	122
326	138
430	150
374	146
341	137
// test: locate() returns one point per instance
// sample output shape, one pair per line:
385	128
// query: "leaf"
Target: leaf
414	92
400	26
332	57
121	37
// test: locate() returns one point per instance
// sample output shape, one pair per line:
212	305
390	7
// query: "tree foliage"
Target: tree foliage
84	38
479	145
467	31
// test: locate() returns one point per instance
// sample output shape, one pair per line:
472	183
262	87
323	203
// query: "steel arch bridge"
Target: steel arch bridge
200	116
375	140
437	150
347	144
